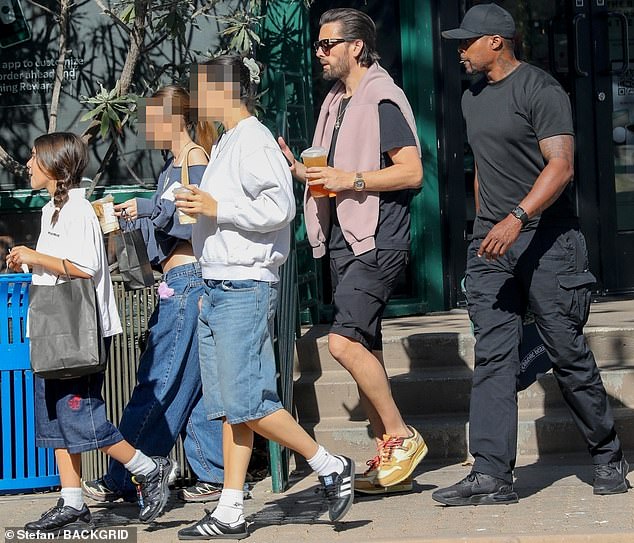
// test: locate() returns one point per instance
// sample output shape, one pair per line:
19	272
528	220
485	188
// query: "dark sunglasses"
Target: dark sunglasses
327	44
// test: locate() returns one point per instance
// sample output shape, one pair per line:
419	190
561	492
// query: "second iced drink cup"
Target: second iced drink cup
184	218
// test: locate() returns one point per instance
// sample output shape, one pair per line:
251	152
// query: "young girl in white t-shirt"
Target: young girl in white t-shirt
70	413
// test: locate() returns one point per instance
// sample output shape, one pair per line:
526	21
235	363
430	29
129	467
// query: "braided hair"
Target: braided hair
63	156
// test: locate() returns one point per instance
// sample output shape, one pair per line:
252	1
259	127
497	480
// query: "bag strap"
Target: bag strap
185	165
68	277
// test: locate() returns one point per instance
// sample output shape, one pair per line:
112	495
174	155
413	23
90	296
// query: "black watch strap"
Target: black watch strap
520	214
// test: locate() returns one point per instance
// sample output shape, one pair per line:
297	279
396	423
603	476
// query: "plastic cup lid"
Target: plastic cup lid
313	151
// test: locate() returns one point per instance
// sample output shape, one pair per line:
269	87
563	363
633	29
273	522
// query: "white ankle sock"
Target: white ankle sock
73	497
230	509
140	464
325	463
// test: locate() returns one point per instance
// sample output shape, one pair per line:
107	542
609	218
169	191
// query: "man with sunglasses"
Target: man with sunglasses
374	164
527	252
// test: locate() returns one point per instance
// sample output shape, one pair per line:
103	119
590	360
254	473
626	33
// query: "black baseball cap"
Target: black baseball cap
483	20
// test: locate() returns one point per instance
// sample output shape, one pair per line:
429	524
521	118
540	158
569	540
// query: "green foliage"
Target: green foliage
170	19
242	30
127	13
110	109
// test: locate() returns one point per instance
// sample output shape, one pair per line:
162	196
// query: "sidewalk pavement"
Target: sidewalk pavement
556	506
556	501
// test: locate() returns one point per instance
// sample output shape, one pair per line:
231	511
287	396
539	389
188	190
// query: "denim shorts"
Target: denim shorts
237	362
167	397
71	414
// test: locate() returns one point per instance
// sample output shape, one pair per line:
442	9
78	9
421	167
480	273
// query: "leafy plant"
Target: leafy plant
148	24
242	30
110	109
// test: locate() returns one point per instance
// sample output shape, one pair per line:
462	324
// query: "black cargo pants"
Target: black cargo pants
545	270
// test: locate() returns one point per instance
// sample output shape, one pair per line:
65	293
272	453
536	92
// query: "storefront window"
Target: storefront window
96	51
623	113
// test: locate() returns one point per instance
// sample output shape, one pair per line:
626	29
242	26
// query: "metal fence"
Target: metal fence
135	309
286	330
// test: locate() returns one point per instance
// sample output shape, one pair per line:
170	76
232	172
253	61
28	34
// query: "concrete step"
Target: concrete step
334	394
617	380
552	431
430	361
540	432
410	351
408	348
445	435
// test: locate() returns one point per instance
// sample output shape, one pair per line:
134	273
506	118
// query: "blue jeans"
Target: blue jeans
167	399
237	361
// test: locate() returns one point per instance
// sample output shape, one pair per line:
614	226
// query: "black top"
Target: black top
393	229
505	122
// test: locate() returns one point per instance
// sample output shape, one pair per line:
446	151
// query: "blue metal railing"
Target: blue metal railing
23	466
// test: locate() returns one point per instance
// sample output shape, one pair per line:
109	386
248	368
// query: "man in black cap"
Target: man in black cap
527	252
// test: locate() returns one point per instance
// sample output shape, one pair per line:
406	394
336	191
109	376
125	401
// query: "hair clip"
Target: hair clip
254	69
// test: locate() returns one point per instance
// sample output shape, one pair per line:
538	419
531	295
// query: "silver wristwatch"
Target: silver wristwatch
359	182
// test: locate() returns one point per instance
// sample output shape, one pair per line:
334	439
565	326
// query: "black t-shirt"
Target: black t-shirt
393	227
505	122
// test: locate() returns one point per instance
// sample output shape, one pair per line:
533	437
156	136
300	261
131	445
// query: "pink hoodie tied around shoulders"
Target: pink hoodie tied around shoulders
358	150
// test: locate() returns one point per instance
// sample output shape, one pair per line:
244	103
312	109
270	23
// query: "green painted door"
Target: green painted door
406	42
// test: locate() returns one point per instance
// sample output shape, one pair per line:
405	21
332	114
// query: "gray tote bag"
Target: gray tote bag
64	330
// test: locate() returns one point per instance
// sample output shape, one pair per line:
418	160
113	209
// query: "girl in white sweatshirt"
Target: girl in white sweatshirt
245	205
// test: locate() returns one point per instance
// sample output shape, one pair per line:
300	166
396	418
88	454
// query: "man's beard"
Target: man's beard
337	71
470	69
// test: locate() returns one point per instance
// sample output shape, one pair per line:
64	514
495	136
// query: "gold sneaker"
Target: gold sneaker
399	457
367	484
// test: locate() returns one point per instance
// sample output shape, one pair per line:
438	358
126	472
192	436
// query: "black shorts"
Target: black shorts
362	286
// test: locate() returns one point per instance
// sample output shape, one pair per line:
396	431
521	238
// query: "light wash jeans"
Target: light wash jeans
237	361
167	400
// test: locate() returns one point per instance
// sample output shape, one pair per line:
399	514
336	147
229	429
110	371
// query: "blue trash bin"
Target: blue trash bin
23	466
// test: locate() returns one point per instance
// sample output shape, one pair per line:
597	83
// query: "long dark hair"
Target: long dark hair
240	74
355	25
178	100
63	156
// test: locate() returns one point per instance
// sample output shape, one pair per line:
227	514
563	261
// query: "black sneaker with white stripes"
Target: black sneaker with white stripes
98	490
338	489
211	528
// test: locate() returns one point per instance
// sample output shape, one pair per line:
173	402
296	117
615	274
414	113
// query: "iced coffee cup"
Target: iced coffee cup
104	209
184	218
316	157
